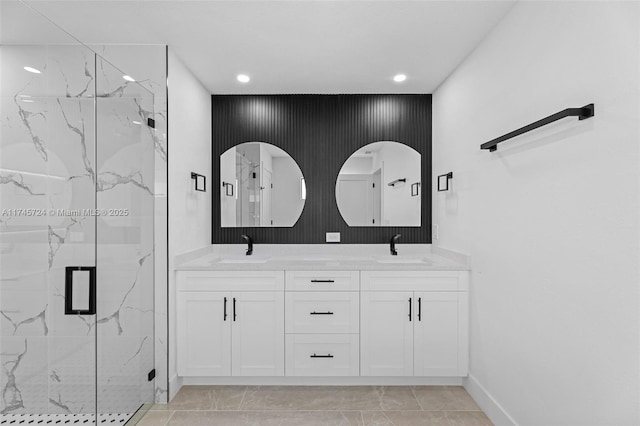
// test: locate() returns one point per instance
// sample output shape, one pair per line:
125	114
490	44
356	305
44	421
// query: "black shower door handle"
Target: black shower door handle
80	296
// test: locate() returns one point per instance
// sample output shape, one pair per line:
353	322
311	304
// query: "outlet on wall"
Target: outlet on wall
435	233
332	237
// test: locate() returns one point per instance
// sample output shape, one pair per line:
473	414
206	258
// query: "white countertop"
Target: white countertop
291	257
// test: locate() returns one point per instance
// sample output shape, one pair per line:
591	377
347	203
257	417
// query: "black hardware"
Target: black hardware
151	123
151	375
410	309
201	182
322	281
68	291
228	189
415	189
443	181
234	309
392	244
249	244
583	113
321	356
419	308
321	313
393	183
224	318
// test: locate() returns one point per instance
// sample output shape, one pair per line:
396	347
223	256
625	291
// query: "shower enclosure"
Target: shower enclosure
77	217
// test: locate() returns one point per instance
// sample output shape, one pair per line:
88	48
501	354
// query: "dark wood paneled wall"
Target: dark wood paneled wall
320	132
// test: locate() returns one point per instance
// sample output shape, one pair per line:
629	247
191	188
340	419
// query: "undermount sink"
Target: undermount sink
401	260
243	261
324	259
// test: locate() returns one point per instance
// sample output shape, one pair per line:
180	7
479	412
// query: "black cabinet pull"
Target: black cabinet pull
410	308
321	356
224	318
321	313
234	309
322	281
419	308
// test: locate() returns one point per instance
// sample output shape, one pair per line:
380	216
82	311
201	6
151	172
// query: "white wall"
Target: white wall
190	150
550	219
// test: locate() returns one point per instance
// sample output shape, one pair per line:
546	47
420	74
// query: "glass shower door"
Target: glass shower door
47	234
125	243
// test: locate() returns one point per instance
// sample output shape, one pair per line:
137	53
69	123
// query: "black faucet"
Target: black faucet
249	244
392	244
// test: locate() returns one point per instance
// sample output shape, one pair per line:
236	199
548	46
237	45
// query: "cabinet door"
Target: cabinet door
204	333
436	334
386	333
257	338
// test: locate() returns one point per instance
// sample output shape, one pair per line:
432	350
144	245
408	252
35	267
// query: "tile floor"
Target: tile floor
318	406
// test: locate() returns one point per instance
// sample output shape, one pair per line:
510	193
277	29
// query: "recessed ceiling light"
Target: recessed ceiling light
399	78
33	70
128	78
243	78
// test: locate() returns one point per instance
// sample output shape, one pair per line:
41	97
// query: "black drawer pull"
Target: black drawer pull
321	313
321	356
410	309
322	281
419	308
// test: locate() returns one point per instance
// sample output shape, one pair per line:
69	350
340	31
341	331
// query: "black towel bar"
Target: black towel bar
582	113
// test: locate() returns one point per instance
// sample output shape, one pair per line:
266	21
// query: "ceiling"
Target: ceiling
285	46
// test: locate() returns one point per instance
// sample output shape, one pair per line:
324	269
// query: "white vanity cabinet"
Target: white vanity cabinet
414	323
230	323
391	323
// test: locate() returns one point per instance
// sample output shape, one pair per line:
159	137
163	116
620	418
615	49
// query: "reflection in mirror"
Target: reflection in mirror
261	186
374	186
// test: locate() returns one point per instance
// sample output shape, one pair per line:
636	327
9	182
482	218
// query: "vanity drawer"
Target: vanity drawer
415	281
322	355
227	280
322	280
322	312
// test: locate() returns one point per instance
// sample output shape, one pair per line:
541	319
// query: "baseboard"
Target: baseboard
175	383
489	405
324	381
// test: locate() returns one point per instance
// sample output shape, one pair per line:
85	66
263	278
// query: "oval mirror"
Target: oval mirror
379	185
262	186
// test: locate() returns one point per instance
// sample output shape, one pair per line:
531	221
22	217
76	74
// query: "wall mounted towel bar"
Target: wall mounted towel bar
582	113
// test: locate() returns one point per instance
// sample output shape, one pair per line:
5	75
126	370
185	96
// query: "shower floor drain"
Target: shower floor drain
63	419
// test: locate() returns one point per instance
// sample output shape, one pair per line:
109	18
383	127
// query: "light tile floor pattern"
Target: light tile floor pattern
318	406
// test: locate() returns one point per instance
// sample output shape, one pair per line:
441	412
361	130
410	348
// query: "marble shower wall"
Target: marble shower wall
53	129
